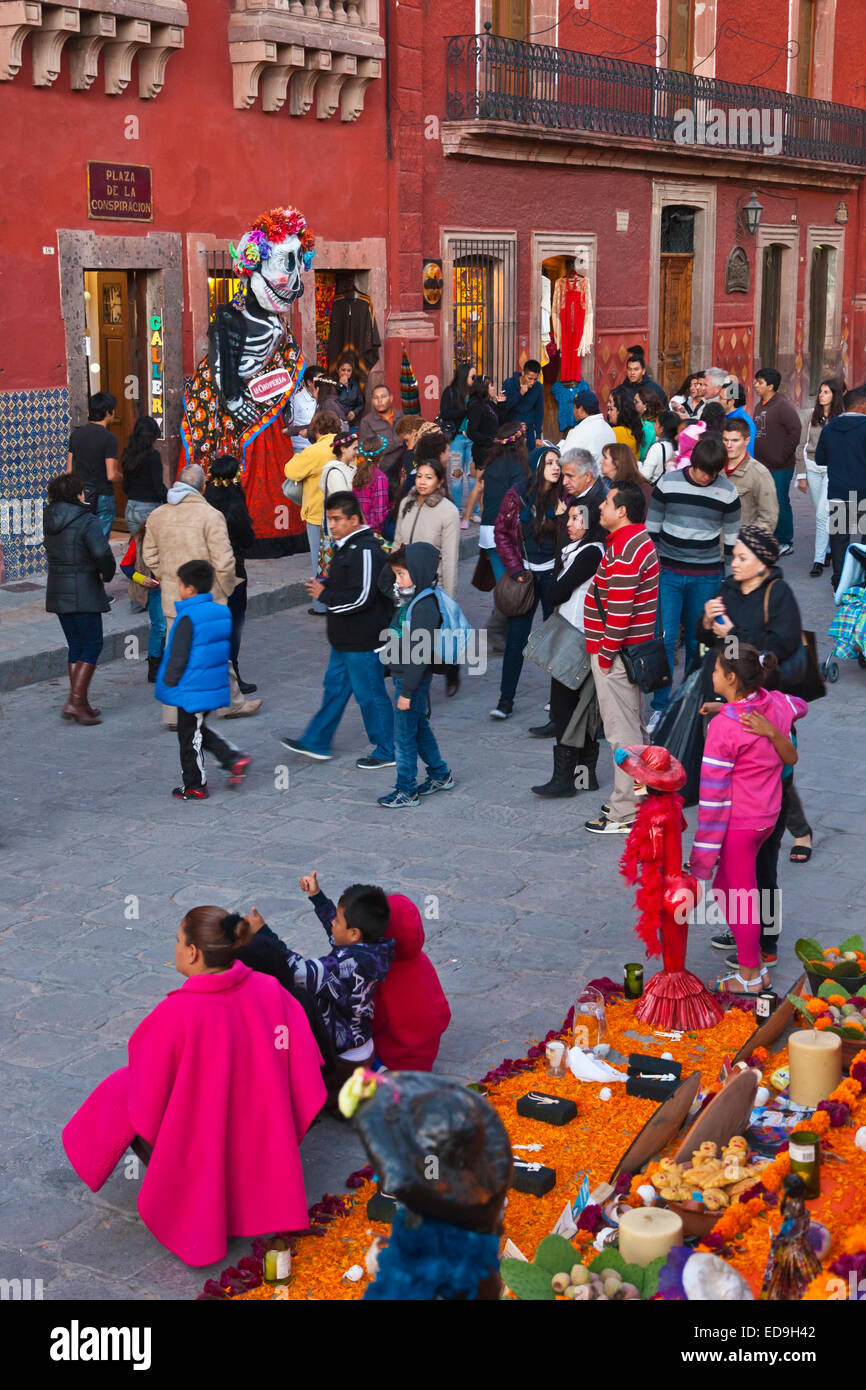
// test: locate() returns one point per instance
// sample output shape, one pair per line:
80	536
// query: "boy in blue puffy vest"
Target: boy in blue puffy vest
194	678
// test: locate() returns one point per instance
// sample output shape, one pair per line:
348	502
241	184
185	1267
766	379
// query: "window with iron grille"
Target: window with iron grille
484	305
222	283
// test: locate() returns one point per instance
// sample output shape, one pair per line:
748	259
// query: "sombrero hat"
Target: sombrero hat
652	765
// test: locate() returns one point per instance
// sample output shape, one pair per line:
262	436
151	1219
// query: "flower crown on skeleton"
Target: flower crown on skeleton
267	231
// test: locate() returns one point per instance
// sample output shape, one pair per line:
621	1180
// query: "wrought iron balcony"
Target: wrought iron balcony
490	78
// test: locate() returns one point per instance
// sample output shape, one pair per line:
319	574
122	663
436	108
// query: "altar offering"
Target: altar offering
814	1066
533	1178
645	1233
551	1110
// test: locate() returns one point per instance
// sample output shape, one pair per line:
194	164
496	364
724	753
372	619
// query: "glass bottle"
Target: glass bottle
277	1262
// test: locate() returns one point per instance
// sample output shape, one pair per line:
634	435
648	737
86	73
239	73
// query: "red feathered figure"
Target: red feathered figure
674	998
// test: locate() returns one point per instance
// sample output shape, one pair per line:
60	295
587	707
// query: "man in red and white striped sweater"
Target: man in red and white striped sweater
627	586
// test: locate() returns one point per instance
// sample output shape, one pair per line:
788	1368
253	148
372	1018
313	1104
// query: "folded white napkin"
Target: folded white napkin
586	1067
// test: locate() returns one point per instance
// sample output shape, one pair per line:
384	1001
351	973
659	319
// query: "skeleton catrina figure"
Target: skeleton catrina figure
236	400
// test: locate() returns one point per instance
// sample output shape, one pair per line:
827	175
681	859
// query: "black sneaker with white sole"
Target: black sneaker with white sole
503	710
372	764
295	746
723	942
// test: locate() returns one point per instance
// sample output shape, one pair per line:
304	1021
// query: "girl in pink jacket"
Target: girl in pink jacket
741	792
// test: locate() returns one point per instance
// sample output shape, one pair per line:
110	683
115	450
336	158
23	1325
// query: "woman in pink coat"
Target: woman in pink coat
741	793
222	1084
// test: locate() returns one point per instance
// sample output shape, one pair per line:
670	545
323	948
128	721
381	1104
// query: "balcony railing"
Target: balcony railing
490	78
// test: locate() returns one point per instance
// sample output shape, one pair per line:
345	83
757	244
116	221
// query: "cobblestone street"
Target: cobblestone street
98	864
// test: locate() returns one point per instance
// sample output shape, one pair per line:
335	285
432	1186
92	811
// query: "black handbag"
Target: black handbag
514	597
646	664
800	673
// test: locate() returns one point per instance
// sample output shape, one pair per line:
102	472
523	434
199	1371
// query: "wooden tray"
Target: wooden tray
726	1115
697	1221
660	1128
772	1027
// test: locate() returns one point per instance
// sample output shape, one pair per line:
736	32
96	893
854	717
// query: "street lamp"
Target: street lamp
751	214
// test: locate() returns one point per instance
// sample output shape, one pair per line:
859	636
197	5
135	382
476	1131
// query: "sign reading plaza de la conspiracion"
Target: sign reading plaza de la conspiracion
119	192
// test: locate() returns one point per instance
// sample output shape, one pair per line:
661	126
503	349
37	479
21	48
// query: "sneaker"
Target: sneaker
194	793
397	800
768	959
238	769
603	826
464	525
503	710
371	764
786	550
769	956
723	942
295	746
652	722
436	784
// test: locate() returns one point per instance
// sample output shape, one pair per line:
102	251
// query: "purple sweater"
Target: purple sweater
741	774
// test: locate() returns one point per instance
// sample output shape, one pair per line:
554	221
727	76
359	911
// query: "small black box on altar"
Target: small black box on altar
551	1110
381	1207
533	1178
642	1071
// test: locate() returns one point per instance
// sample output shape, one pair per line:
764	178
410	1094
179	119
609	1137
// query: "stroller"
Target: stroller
848	628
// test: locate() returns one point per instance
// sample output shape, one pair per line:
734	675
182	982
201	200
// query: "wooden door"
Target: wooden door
115	315
771	303
511	19
818	286
675	319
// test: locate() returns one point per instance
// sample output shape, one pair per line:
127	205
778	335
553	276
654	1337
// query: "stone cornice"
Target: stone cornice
504	140
85	32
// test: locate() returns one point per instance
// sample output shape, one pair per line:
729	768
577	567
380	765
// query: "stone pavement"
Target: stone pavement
97	865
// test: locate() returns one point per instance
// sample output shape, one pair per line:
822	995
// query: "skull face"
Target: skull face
278	283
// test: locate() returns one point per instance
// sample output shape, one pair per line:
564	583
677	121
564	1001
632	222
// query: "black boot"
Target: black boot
244	686
547	730
587	758
153	664
562	781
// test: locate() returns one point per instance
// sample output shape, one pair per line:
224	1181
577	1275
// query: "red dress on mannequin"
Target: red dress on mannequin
569	311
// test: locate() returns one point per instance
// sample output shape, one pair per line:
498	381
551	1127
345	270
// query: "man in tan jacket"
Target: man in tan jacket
185	528
759	502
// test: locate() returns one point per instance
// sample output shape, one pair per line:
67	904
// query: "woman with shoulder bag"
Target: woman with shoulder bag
572	691
828	404
525	535
80	564
757	606
428	514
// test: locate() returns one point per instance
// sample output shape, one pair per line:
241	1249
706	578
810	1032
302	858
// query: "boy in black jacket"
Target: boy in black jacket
357	611
411	570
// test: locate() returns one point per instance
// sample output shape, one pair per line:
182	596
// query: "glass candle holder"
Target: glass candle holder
555	1055
632	978
589	1029
277	1262
804	1150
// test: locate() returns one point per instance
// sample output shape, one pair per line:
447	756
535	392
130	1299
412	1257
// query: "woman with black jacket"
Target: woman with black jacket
482	423
580	560
757	606
224	492
80	563
142	474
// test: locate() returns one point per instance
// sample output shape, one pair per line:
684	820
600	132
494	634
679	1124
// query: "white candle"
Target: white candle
647	1232
815	1066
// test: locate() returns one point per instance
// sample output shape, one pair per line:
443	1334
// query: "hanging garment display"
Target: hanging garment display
572	322
353	333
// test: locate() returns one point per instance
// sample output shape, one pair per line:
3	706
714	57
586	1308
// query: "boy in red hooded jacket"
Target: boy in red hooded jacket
410	1011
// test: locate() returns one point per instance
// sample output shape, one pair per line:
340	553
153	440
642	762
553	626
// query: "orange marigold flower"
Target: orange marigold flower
855	1240
837	999
824	1022
816	1006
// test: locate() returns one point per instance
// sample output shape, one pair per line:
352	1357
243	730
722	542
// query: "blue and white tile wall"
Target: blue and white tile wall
34	438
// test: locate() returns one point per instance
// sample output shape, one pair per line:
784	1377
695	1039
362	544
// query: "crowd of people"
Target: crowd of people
651	524
649	536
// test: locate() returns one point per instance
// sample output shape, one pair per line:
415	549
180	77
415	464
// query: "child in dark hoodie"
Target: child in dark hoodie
410	572
411	1012
343	983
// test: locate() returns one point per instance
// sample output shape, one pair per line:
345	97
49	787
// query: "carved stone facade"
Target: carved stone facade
87	31
298	52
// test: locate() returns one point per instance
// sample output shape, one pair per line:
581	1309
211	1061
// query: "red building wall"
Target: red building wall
214	169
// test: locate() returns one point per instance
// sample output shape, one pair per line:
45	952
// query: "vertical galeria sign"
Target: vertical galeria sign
157	408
